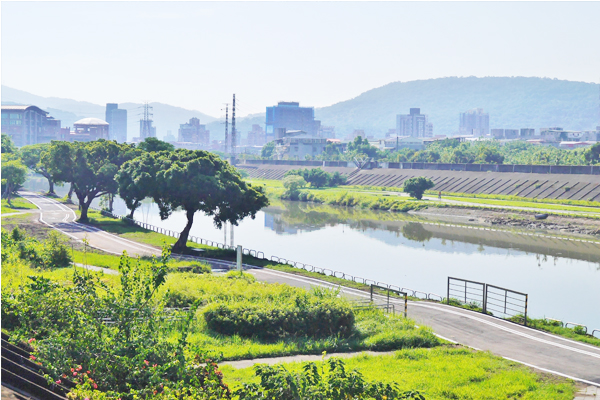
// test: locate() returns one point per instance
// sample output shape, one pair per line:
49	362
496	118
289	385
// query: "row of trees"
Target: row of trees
190	180
454	152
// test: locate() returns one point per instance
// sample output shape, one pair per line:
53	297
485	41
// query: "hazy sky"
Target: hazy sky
196	54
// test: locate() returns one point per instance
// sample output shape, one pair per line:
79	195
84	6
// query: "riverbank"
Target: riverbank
565	216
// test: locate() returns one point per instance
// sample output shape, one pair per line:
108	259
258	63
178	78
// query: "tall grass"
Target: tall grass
446	372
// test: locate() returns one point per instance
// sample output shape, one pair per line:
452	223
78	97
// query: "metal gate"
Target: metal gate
488	299
376	289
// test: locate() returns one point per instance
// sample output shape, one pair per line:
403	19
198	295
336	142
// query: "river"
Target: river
561	277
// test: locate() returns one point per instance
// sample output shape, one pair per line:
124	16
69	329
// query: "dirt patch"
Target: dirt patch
523	220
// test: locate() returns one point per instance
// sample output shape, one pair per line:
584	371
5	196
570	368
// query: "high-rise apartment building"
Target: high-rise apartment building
474	122
414	124
290	116
117	122
194	132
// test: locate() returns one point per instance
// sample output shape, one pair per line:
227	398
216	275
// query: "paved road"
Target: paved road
61	217
527	346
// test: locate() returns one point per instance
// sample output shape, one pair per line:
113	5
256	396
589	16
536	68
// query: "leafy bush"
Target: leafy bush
52	253
317	177
304	316
416	186
293	184
330	380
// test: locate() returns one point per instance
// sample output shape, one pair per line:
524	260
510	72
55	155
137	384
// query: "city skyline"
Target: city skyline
346	49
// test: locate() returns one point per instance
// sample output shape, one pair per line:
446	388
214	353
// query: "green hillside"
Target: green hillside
511	102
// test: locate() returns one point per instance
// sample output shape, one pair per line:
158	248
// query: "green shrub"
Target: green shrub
57	253
304	316
318	382
416	186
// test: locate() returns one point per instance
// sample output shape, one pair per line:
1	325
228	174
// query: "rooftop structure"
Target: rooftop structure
88	130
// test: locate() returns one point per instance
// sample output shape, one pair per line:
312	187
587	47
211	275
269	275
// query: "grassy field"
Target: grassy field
446	372
18	204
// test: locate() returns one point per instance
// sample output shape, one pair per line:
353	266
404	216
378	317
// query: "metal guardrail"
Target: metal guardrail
574	325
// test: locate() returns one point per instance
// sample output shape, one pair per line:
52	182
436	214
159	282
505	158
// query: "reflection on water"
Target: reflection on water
562	277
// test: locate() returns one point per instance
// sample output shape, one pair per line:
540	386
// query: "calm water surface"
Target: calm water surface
562	277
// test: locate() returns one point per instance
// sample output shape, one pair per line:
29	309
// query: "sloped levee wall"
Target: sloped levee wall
537	169
522	182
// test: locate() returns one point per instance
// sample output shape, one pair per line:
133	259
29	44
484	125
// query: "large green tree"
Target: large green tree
89	166
136	180
199	181
416	186
31	156
14	173
268	150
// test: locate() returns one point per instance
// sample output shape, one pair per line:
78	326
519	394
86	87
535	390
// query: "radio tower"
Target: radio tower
146	123
226	127
233	133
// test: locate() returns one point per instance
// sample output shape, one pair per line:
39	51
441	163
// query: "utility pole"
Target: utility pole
233	133
226	128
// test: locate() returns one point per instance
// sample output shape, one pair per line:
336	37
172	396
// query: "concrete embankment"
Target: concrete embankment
531	185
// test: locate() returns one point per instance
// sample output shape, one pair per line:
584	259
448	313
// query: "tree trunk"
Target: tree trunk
84	211
51	187
70	192
181	243
135	207
111	200
83	206
8	193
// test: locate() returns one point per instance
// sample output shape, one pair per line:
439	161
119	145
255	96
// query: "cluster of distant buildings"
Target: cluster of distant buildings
475	125
293	129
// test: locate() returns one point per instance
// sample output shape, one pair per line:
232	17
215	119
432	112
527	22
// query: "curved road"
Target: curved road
527	346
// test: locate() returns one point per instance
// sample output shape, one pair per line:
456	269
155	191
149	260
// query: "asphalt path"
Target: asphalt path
62	218
546	352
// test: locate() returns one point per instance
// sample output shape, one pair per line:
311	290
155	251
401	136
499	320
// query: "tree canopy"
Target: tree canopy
153	144
136	179
31	156
416	186
14	173
90	167
7	145
267	150
197	181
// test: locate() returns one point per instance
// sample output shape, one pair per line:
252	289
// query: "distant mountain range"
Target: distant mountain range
514	102
511	102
